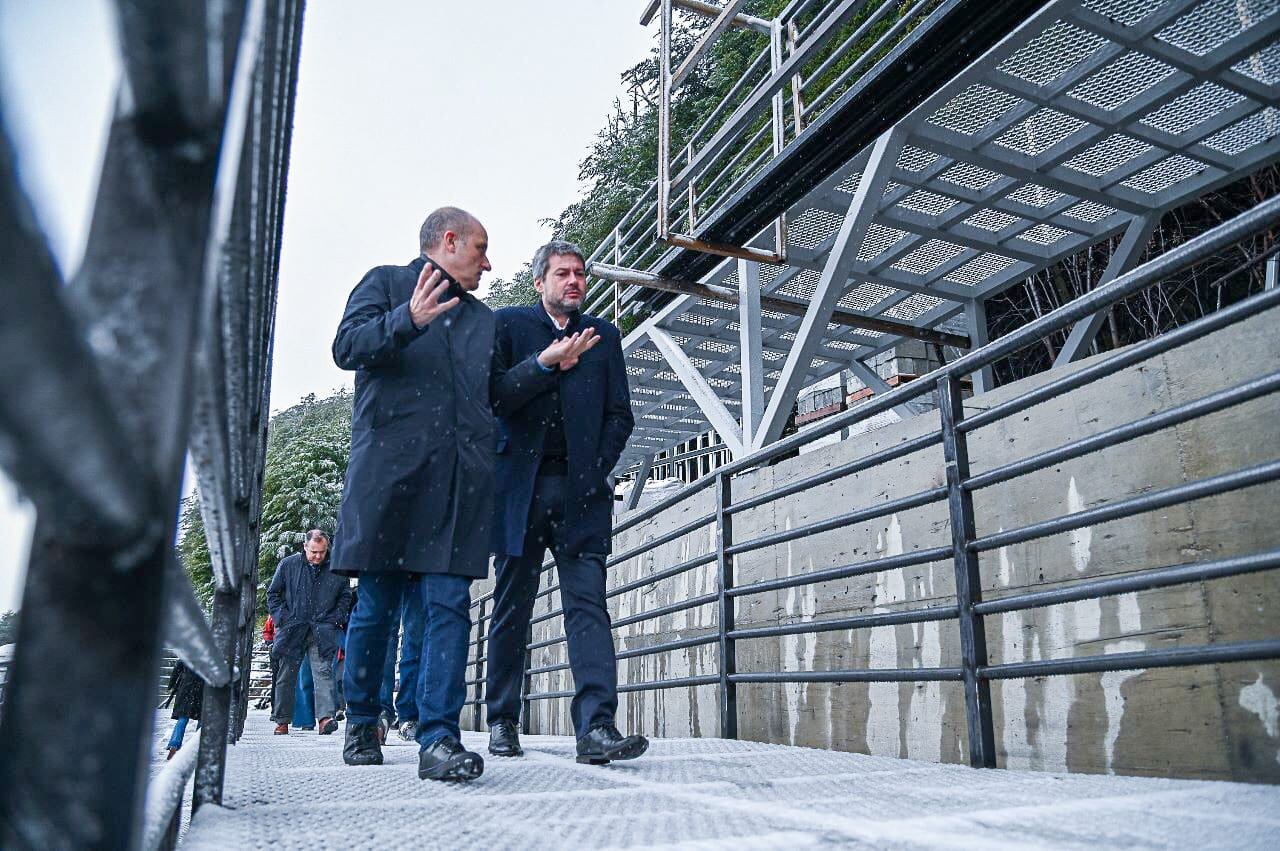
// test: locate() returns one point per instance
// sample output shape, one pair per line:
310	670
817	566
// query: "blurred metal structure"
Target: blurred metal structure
932	155
162	339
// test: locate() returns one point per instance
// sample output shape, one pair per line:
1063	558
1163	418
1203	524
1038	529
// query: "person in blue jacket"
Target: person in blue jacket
559	388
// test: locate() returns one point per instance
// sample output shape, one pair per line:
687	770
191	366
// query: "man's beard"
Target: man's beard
561	307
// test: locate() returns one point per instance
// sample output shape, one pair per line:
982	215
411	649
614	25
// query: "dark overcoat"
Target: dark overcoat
595	402
186	690
419	487
306	599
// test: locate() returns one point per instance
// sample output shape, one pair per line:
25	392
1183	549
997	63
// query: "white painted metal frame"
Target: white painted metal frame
1093	114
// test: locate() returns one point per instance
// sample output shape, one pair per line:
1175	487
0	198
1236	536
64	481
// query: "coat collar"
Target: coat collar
455	288
575	319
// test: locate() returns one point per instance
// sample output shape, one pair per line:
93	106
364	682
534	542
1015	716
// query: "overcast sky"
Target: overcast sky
402	107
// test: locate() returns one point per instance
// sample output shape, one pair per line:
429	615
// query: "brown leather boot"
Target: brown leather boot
282	729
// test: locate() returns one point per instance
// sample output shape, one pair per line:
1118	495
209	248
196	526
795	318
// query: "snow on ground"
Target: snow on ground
295	792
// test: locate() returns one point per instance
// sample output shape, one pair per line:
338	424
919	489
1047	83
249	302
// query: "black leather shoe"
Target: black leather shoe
361	746
604	743
447	759
504	739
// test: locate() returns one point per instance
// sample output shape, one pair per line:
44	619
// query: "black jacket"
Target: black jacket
419	486
186	691
595	402
304	599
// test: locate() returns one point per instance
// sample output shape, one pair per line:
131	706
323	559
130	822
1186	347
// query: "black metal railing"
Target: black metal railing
161	342
975	671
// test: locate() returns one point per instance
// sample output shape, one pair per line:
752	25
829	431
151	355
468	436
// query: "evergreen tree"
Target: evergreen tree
8	627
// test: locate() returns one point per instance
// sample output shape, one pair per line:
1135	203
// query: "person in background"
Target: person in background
307	603
186	693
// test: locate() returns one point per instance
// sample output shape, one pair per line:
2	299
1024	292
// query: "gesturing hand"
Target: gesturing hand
565	352
425	304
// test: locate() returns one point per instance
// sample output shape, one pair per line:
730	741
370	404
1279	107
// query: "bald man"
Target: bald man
419	489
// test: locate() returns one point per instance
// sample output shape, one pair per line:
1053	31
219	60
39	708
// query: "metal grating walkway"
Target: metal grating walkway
294	792
1091	118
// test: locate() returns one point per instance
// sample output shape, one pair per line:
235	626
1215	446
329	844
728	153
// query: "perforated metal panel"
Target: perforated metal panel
1093	113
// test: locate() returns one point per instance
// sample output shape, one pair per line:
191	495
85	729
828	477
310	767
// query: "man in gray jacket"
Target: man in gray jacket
307	604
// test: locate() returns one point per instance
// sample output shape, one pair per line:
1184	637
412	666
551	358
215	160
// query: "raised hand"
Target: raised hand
425	304
565	352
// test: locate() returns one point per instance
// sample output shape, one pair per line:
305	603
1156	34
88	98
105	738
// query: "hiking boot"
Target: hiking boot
282	729
326	726
447	759
172	751
504	738
408	731
361	746
604	743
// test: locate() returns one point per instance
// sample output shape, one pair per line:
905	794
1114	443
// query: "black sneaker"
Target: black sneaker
408	731
447	759
604	743
504	739
361	746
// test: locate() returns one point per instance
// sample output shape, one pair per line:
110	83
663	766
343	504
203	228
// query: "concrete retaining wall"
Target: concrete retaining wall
1208	721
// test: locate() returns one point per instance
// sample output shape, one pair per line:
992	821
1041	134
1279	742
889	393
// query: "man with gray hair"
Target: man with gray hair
564	416
307	605
419	489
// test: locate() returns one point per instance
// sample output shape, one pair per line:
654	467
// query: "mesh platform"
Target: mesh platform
1092	114
294	792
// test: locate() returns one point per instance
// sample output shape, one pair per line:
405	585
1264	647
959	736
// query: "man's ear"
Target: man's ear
537	284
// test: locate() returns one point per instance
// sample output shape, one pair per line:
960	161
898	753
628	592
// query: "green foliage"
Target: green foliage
308	446
8	627
517	291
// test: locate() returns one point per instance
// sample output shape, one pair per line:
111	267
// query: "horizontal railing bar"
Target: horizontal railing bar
937	613
1212	486
1144	580
665	503
867	675
1236	651
680	682
666	573
691	603
1138	428
1126	357
901	504
665	538
678	644
907	447
846	571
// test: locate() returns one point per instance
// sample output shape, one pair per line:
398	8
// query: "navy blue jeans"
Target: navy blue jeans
412	620
446	607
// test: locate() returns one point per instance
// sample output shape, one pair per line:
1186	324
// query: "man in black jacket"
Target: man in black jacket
418	497
307	604
564	416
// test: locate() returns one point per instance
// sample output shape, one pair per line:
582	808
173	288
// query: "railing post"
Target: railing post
216	711
480	642
526	685
973	637
728	649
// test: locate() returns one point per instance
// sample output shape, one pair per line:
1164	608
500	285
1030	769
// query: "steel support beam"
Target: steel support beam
1126	256
641	479
835	276
701	392
975	317
709	10
714	292
750	348
872	379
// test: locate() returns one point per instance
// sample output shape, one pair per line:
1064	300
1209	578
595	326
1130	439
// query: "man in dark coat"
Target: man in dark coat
307	604
419	486
564	415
